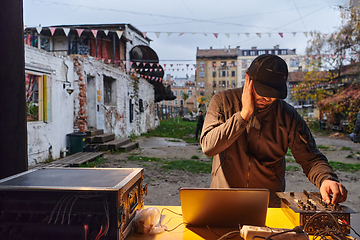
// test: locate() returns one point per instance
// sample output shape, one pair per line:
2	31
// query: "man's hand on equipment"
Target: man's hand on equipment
247	99
338	191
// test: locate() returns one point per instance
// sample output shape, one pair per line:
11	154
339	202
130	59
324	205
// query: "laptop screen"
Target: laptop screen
224	207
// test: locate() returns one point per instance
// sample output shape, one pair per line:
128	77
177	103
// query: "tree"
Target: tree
185	96
330	54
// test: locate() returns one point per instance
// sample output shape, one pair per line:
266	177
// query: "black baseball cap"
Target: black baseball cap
269	74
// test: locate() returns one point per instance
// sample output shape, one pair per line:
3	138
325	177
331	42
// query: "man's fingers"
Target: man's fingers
325	196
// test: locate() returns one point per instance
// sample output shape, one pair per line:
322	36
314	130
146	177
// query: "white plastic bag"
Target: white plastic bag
147	221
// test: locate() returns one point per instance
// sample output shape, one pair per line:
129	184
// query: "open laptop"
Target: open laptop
224	207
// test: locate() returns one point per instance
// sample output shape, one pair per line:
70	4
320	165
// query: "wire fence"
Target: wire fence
166	112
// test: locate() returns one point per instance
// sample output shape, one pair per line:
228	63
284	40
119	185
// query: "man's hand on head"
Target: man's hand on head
247	99
338	191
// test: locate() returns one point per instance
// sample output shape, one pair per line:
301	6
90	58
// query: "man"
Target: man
199	125
248	131
354	136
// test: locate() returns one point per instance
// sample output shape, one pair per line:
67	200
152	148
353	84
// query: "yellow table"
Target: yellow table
275	219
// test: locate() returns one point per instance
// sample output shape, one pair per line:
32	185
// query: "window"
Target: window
141	105
276	52
227	84
261	52
223	64
219	73
283	52
214	74
233	63
181	93
223	84
227	73
245	53
190	93
170	102
294	62
176	102
37	97
202	74
109	91
181	102
175	92
233	73
243	74
244	63
45	44
214	84
232	83
219	83
214	65
252	53
131	108
224	73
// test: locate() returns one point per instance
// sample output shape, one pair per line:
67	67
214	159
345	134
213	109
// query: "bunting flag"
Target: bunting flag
144	34
281	35
344	36
205	34
306	34
269	35
52	30
169	33
66	31
294	33
216	35
247	34
259	35
137	63
94	32
119	33
38	29
79	31
106	32
157	34
227	35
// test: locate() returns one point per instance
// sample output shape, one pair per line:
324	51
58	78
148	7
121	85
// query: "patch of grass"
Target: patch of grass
288	153
144	159
188	165
194	157
93	164
174	128
173	140
345	167
346	148
289	160
323	147
199	148
292	168
350	156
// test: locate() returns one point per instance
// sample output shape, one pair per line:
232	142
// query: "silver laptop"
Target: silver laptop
224	207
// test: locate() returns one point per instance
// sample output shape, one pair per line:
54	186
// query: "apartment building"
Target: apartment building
246	56
216	70
222	69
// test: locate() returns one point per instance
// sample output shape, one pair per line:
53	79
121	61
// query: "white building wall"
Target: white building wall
48	139
45	138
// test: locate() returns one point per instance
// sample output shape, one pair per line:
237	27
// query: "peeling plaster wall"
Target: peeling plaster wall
50	137
115	117
69	112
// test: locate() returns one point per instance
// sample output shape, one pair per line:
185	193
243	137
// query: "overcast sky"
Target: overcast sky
244	23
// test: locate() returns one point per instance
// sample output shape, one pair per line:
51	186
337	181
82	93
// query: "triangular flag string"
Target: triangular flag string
38	29
66	31
94	32
79	31
52	30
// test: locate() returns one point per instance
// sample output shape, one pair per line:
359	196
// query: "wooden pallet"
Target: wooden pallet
73	160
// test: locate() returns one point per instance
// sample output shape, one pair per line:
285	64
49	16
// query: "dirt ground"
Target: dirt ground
163	186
